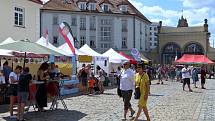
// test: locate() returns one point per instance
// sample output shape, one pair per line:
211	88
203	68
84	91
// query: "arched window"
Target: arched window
171	48
194	48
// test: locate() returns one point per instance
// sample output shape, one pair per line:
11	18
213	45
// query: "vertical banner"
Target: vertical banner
66	32
136	54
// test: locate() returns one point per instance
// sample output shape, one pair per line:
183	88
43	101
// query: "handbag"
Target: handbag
119	92
137	93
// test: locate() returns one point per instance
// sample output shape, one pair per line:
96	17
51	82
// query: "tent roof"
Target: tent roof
65	47
5	52
114	56
42	42
86	49
132	60
194	59
27	46
7	41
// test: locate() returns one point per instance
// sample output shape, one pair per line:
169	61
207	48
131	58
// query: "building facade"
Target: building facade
153	35
173	42
20	19
102	24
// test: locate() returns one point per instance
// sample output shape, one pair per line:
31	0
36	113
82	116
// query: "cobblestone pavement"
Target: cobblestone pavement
166	103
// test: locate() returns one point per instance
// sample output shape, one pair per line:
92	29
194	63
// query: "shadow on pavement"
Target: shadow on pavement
209	89
105	93
4	108
56	115
155	95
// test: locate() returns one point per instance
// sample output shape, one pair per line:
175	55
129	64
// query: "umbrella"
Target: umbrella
27	46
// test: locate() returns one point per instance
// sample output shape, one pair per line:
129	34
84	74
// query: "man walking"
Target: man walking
186	77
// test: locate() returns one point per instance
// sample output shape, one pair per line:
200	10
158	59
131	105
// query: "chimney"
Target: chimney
159	27
206	25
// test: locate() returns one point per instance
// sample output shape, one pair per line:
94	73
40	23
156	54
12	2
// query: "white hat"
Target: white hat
126	61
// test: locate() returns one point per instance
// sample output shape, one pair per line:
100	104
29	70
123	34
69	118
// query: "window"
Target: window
106	22
150	33
74	22
92	41
83	23
150	44
105	8
141	29
82	40
155	44
82	5
92	6
19	16
55	20
123	8
155	39
55	40
93	23
150	38
105	33
150	28
155	29
124	42
124	26
105	45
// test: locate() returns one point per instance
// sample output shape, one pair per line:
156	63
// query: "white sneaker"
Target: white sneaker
12	117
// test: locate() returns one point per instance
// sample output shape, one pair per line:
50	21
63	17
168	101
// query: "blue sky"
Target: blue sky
169	11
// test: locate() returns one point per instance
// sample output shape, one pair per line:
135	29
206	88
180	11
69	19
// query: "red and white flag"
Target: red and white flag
65	32
46	35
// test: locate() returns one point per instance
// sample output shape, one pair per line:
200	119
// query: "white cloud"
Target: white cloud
198	3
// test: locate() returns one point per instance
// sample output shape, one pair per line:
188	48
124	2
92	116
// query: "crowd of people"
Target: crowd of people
19	81
91	83
129	78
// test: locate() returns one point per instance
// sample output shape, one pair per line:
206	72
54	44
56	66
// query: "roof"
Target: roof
60	5
92	1
36	1
123	2
105	1
182	29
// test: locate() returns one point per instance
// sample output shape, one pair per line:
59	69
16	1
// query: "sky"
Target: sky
169	11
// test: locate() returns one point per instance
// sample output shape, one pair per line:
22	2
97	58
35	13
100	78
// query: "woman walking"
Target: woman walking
142	80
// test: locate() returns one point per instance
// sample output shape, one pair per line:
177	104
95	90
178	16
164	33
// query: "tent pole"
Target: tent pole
24	61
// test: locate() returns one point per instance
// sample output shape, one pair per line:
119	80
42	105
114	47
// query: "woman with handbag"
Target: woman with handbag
142	80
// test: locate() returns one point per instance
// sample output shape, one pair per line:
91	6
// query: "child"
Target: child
91	83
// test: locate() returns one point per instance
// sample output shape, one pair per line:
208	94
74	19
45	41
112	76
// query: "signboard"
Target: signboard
85	59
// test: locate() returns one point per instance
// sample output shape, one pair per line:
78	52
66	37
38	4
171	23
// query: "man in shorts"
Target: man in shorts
186	74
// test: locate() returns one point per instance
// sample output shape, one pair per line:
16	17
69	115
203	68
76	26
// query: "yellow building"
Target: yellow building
173	42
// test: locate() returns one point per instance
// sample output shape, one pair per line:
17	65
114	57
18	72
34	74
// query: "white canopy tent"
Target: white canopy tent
98	59
115	59
86	49
43	42
65	47
5	52
7	41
